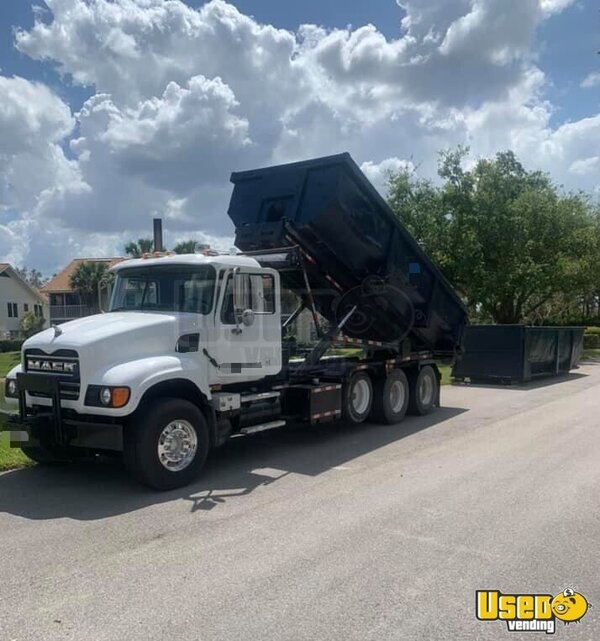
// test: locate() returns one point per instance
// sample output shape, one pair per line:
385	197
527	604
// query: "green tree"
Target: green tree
185	247
86	280
505	237
190	246
32	277
31	324
137	249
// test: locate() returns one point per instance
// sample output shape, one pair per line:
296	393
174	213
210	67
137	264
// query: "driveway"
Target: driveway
366	533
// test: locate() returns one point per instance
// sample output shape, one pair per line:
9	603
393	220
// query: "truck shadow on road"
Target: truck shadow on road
101	489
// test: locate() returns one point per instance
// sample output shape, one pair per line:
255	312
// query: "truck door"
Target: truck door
247	341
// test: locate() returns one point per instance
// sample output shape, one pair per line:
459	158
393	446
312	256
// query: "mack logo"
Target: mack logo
59	367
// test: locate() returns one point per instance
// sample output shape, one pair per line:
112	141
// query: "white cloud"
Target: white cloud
33	122
378	173
30	115
586	166
500	32
182	96
167	138
555	6
133	48
591	80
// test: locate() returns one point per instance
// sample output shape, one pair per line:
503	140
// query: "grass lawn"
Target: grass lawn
591	355
445	370
10	457
7	361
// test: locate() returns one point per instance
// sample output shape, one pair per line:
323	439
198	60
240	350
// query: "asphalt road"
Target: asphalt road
367	533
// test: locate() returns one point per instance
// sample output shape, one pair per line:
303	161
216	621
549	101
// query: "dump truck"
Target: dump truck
195	349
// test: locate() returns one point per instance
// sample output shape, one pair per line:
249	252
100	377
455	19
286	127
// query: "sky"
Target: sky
116	111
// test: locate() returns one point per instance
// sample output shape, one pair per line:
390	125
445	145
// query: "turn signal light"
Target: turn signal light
106	396
120	396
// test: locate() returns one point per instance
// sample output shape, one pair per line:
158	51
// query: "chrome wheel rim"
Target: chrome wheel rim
361	396
426	390
177	445
397	396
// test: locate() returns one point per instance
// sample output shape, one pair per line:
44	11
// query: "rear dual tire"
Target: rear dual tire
424	391
358	398
388	399
391	398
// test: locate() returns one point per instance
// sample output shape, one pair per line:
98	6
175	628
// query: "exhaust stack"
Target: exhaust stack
158	236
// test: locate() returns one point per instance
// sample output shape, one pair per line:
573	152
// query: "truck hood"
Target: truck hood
117	336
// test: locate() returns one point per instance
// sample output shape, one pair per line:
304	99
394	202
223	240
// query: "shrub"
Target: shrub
31	324
591	341
593	331
10	345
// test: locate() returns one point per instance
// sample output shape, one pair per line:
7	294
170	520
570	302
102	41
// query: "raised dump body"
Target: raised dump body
353	249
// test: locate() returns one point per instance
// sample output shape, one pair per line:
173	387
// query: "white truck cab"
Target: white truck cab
176	322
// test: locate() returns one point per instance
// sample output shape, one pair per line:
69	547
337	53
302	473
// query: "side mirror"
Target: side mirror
104	295
239	291
242	314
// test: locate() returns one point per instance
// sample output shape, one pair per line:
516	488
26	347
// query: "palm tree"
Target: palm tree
86	279
143	246
185	247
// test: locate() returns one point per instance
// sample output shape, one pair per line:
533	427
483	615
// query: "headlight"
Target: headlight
105	396
11	388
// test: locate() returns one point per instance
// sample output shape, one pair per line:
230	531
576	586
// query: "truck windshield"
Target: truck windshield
166	289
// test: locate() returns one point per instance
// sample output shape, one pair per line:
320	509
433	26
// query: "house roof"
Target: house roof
13	272
62	281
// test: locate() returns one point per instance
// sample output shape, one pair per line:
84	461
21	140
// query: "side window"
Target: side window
227	310
263	294
257	293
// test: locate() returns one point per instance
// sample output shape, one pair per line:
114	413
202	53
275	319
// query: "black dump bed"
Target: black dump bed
517	353
354	249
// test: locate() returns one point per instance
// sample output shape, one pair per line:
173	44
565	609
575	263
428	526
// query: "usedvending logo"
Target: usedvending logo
531	612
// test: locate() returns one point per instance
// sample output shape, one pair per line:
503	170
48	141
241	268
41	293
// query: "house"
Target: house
66	304
17	298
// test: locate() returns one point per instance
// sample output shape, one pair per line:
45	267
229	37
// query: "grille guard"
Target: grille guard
49	386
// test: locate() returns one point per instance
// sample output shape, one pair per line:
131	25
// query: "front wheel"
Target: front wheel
166	443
